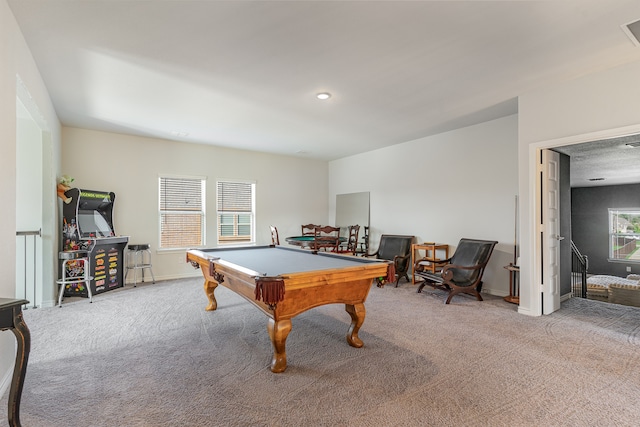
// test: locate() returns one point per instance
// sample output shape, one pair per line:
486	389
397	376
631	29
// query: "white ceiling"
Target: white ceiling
244	74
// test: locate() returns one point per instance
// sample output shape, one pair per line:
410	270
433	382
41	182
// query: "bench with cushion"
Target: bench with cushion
618	290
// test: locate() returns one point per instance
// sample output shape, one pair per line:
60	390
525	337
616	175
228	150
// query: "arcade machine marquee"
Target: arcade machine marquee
88	225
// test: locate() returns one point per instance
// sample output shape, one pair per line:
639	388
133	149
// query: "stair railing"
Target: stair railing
579	268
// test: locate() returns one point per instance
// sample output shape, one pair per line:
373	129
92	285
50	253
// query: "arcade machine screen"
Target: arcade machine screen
93	224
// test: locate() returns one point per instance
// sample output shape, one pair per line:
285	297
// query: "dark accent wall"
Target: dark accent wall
590	224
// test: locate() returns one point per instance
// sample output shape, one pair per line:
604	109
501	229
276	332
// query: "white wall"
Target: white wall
16	60
28	186
592	107
289	191
442	188
29	179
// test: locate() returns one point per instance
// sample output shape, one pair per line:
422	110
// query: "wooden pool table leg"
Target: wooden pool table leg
209	288
357	313
278	331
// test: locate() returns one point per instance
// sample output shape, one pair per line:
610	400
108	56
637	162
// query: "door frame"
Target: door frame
531	273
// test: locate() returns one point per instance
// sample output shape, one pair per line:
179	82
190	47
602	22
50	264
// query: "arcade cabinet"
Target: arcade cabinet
88	225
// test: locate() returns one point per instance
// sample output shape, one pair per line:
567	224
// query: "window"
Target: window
235	211
624	234
182	212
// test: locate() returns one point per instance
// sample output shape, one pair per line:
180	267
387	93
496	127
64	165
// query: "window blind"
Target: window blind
180	194
235	211
234	197
181	212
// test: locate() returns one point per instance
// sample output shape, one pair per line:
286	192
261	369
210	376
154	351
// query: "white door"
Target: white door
549	230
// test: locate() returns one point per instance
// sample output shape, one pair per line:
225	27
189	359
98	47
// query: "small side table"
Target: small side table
430	249
11	319
514	284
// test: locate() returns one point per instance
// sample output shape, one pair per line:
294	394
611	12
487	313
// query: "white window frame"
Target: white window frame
236	239
623	234
201	212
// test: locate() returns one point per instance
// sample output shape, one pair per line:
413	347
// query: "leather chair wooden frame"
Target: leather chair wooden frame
396	248
462	273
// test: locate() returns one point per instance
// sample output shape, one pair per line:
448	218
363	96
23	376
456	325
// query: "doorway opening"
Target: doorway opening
536	292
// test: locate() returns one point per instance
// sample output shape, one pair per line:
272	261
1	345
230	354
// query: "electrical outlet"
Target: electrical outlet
628	269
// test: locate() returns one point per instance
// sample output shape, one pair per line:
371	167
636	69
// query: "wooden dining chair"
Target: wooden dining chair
275	240
309	229
363	246
326	238
351	245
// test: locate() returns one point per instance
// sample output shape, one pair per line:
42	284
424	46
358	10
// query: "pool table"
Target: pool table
284	282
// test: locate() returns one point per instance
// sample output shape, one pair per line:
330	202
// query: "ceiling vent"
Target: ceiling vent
633	31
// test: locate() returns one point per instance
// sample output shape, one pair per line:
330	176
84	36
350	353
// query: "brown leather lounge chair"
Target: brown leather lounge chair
396	248
462	273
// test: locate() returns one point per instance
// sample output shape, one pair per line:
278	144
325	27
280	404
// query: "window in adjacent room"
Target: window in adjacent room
182	212
235	209
624	234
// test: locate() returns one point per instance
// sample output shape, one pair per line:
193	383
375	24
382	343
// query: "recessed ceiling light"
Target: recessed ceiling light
323	95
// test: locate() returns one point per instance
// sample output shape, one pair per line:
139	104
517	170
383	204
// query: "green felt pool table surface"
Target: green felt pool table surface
278	261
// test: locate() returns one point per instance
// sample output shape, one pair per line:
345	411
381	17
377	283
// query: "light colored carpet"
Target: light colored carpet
151	356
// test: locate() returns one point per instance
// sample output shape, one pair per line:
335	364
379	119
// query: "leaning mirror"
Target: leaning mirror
352	209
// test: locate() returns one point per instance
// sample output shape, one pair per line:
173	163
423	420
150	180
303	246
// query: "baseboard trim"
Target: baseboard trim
494	292
196	273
